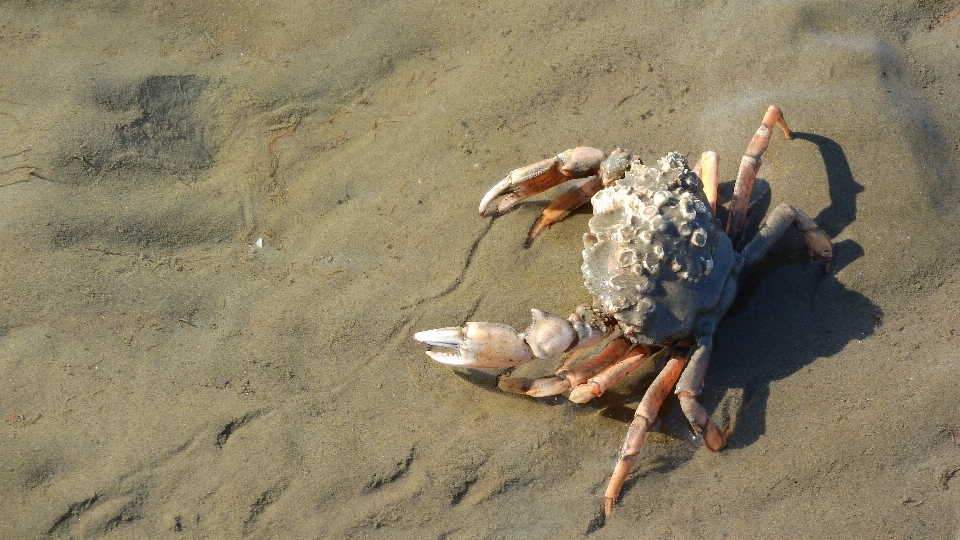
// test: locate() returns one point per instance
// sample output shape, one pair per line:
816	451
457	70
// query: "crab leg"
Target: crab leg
644	418
749	165
688	388
597	385
578	195
777	223
565	379
579	162
708	169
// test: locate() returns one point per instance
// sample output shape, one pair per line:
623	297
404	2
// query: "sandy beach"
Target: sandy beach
223	222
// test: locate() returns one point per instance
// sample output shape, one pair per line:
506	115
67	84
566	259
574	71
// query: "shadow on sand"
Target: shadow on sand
788	314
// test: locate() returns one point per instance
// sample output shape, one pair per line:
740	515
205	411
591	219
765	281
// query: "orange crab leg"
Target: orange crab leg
708	169
565	379
777	223
578	195
749	165
713	437
598	384
644	418
611	353
688	388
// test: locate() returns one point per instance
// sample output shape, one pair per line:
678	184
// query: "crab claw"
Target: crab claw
478	344
494	345
579	162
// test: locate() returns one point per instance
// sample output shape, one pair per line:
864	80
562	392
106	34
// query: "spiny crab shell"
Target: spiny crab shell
655	258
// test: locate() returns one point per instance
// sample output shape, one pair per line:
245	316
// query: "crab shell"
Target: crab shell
655	258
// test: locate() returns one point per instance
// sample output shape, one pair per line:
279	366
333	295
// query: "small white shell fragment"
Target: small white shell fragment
687	209
603	202
259	243
627	258
643	284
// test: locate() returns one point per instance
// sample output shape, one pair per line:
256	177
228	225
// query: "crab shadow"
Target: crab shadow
789	313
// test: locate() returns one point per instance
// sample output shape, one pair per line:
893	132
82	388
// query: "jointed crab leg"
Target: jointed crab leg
598	384
777	223
708	169
688	388
644	418
579	162
688	379
565	379
749	165
578	195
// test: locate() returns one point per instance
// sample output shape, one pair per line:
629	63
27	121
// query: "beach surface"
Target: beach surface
223	222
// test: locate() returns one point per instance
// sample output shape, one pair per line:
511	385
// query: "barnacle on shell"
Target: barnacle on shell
698	238
657	250
687	209
651	263
627	258
661	198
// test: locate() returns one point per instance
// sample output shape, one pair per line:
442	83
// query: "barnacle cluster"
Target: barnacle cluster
649	228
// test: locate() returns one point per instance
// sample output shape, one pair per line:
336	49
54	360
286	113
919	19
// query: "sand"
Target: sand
222	223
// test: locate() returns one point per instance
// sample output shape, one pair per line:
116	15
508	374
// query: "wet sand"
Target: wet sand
222	225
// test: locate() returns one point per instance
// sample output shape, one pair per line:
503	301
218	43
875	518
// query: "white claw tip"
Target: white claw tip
448	357
441	337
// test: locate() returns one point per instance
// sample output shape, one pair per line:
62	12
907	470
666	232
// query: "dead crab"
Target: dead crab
661	268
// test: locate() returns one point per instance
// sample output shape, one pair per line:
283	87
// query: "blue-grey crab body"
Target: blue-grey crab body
656	258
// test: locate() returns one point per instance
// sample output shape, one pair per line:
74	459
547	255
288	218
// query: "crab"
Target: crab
662	270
